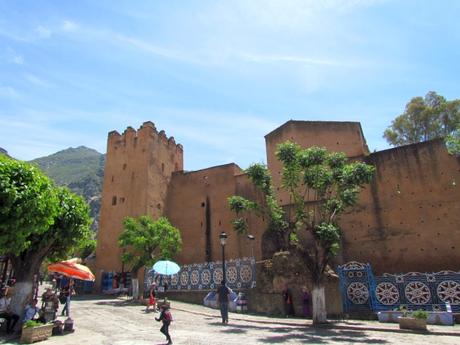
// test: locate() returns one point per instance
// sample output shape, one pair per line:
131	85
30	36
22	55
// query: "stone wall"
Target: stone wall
273	274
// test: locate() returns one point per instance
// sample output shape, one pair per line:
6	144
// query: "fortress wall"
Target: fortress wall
256	225
408	217
137	170
197	205
344	137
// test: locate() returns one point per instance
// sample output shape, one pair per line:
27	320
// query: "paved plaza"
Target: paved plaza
121	322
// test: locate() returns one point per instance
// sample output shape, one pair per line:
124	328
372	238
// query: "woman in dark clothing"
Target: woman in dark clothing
287	301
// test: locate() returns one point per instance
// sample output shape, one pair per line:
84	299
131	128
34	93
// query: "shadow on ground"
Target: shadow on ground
302	334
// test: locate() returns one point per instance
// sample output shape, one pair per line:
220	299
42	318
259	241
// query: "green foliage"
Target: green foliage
424	119
420	314
321	186
32	323
144	241
71	229
28	205
260	176
327	233
453	142
239	204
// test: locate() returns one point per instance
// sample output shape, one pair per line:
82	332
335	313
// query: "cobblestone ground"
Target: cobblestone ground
120	322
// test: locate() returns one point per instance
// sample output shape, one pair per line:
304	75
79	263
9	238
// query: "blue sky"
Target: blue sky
216	75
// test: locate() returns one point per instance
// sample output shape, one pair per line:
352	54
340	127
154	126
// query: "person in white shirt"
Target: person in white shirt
6	313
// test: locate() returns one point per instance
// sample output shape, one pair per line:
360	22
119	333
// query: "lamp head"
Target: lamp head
251	237
223	238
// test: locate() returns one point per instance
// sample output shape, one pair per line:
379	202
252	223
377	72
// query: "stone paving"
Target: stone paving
120	322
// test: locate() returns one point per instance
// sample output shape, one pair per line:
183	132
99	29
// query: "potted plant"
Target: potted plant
35	331
415	320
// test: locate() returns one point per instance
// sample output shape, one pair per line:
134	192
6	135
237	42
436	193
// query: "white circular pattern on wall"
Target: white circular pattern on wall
417	293
184	278
246	273
232	274
195	277
206	277
217	276
449	291
358	293
387	293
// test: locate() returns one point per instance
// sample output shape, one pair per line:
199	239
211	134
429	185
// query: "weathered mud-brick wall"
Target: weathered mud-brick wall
273	274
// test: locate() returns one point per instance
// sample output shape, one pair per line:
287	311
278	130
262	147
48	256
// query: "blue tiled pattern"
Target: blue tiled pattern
429	291
241	274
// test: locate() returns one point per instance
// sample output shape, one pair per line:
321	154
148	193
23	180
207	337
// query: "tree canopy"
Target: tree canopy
145	240
424	118
37	221
321	186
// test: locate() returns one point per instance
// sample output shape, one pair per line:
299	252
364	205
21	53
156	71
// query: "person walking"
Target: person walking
166	318
223	296
152	299
66	293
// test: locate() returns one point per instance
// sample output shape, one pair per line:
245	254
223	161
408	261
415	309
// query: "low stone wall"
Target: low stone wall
266	298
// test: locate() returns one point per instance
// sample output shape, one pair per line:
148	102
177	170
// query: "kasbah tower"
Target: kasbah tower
406	220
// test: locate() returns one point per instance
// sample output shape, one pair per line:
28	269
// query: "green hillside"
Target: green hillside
81	169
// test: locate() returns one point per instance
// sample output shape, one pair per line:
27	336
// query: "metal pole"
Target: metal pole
224	278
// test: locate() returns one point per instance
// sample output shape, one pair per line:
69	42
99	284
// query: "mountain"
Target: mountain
4	152
81	169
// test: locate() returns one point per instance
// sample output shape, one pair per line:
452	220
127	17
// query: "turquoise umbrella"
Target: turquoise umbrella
166	267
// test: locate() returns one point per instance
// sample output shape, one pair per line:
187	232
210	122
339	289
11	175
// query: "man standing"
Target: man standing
223	295
6	313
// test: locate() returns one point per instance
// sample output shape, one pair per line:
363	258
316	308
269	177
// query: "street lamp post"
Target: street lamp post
223	241
251	239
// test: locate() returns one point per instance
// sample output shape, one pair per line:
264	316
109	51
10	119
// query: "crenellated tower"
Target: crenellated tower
137	173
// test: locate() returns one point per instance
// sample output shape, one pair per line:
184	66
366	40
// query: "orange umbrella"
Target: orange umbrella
71	269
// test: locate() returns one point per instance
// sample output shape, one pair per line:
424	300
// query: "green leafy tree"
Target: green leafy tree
37	221
424	119
321	186
453	142
145	240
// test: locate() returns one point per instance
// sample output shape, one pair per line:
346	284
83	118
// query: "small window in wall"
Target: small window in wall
114	200
122	200
159	206
124	166
112	178
162	167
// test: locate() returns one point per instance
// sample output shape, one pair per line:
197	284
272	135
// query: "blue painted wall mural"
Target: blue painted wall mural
362	291
241	274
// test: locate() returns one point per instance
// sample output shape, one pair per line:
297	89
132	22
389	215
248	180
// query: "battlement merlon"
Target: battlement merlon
147	131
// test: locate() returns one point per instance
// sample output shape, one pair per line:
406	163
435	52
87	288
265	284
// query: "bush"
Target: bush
420	314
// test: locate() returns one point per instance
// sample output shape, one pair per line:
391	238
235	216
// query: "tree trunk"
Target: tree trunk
319	303
24	267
